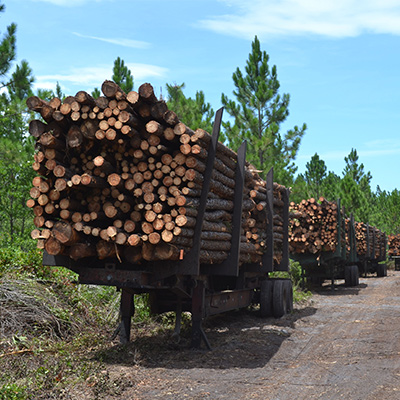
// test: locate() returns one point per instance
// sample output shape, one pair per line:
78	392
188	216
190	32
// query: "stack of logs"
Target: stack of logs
394	245
121	176
313	226
370	241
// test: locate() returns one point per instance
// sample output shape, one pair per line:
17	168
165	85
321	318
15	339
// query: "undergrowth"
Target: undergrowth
56	334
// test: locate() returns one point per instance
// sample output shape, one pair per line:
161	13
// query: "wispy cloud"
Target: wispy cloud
136	44
329	18
90	77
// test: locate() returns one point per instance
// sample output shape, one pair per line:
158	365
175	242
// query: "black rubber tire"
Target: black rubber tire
351	275
347	275
355	275
266	298
289	296
381	270
279	298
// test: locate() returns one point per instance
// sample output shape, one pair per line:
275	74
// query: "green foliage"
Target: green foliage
122	75
331	186
7	47
195	113
258	114
16	148
386	211
13	392
21	81
354	189
315	175
18	258
96	93
356	170
16	177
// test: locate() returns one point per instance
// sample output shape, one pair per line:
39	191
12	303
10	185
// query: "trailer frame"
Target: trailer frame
188	285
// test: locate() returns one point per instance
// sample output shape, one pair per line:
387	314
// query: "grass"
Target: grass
56	334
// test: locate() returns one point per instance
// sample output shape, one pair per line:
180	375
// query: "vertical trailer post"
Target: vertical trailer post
230	267
198	298
191	264
127	309
284	264
267	264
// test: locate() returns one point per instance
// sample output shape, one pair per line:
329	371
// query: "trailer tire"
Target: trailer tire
266	298
351	275
381	270
356	275
289	296
279	301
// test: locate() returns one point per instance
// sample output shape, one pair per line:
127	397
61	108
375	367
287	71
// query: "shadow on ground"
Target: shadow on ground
339	289
239	339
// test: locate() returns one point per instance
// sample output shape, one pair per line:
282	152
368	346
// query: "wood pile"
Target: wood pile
371	241
121	176
394	245
313	226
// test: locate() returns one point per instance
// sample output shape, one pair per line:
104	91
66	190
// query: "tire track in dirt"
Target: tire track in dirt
344	345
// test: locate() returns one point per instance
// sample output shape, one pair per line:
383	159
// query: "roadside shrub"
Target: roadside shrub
13	392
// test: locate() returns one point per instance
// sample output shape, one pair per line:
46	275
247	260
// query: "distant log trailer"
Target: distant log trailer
322	240
394	249
371	249
124	184
330	245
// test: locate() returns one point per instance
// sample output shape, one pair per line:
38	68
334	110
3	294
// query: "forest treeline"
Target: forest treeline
255	113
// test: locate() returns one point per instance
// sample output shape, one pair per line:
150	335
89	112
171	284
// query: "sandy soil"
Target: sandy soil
343	344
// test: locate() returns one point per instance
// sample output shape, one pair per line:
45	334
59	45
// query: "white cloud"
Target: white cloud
330	18
90	77
136	44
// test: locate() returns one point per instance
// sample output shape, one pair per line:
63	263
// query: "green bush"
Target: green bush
12	392
16	259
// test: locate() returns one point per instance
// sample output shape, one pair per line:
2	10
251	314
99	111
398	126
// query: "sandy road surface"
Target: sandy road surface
344	344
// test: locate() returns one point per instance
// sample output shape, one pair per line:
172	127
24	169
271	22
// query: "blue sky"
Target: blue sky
338	59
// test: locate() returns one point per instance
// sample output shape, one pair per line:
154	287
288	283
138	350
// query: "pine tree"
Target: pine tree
16	146
258	115
195	113
356	170
314	176
7	47
355	189
122	75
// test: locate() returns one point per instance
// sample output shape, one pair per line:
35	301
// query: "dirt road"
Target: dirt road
344	344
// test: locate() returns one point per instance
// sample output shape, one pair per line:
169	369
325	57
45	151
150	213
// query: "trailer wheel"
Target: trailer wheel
351	275
381	270
279	298
289	296
266	298
356	275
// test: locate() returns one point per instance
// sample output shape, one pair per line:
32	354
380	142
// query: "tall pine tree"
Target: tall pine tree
257	113
122	75
16	147
355	189
314	176
195	113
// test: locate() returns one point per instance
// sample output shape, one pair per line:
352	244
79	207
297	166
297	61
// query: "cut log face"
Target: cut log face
122	176
313	226
314	229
